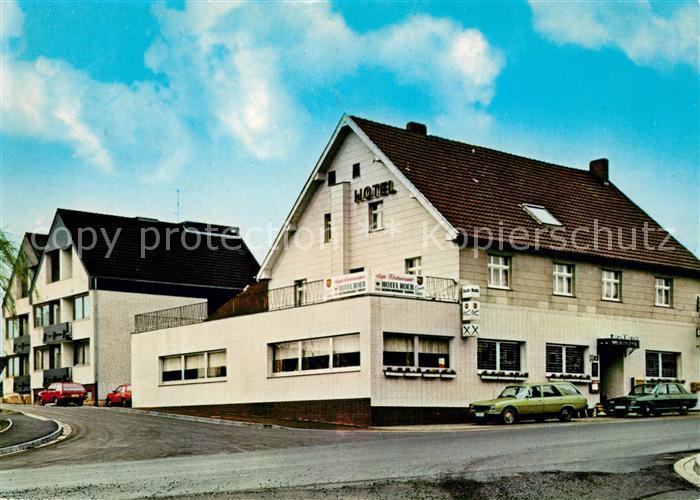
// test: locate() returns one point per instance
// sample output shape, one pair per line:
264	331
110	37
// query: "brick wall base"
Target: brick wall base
401	415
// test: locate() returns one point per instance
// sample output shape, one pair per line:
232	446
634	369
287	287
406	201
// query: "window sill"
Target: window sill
323	371
503	288
376	230
563	295
661	306
615	301
412	372
502	375
194	381
576	378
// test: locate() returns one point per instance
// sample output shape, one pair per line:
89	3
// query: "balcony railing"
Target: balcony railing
57	375
60	332
20	345
313	292
172	317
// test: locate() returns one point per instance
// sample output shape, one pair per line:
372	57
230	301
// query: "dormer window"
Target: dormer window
541	215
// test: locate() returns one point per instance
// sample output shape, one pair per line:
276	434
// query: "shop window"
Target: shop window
498	355
664	292
193	366
564	279
565	358
81	352
376	216
315	354
81	307
661	364
499	271
433	352
612	285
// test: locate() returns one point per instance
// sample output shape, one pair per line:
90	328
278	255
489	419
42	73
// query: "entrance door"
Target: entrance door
612	379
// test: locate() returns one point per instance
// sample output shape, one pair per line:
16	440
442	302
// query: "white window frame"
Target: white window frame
661	287
561	273
536	212
499	266
376	216
610	281
182	380
414	266
498	355
299	370
416	348
564	348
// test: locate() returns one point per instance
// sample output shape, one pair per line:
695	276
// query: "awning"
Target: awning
623	341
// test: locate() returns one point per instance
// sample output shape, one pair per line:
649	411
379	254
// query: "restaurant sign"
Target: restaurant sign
406	285
346	286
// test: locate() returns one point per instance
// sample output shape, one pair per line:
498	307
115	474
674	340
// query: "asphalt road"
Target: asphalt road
113	453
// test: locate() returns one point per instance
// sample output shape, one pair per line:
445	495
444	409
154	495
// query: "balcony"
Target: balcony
60	332
20	345
313	292
57	375
22	384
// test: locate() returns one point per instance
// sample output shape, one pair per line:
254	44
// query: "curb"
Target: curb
689	469
62	431
11	423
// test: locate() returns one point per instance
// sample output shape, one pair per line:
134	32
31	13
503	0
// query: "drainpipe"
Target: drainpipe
94	337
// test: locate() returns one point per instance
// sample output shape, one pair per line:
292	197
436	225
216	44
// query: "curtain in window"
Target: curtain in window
217	364
486	355
315	354
286	357
398	350
194	366
433	352
510	356
172	368
346	351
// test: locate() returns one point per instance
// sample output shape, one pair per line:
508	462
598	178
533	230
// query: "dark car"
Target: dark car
653	399
63	393
121	396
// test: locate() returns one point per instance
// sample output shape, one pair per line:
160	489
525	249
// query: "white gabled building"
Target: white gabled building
358	315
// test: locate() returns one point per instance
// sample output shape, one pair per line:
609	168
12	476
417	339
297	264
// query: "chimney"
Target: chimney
417	128
599	169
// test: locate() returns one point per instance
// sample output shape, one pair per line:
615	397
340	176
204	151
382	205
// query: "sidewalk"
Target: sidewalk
25	429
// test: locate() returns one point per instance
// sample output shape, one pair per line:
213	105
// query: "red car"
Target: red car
63	393
120	396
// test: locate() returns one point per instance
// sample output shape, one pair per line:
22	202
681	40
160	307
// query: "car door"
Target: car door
661	401
531	405
675	397
551	399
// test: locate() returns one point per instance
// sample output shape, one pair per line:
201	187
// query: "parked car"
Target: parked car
653	399
531	401
63	393
120	396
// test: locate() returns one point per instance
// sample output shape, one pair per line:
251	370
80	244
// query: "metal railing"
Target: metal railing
172	317
441	289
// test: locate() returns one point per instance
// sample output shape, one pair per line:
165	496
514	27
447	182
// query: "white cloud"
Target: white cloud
236	72
647	37
11	20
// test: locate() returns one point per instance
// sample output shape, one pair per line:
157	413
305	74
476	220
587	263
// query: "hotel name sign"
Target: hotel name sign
374	191
405	285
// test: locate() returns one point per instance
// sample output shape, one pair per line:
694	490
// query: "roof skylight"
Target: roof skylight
541	215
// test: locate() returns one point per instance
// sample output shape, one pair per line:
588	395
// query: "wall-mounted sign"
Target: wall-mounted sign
471	292
375	191
399	284
471	310
346	285
625	341
470	329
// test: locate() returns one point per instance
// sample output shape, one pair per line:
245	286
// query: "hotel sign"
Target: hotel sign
375	191
406	285
346	286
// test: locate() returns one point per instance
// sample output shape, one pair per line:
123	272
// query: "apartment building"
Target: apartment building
91	274
415	274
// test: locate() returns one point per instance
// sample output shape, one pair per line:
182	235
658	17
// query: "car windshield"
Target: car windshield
514	391
643	389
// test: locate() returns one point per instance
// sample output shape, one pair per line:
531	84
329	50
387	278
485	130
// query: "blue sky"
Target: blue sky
112	106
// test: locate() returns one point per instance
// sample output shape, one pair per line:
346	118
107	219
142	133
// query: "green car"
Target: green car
653	399
531	401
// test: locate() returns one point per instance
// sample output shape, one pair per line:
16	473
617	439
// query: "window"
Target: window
11	328
499	271
541	215
612	285
664	292
53	266
376	216
299	292
413	266
331	178
398	350
565	358
355	170
81	307
81	352
47	314
433	352
54	357
41	359
661	364
564	279
327	228
549	391
315	354
498	355
193	366
673	389
568	390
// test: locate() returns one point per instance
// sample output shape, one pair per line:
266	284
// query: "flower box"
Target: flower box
511	376
574	378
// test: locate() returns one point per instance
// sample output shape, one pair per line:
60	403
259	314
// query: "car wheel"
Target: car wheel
79	403
647	411
509	416
56	402
683	410
566	414
124	405
42	402
108	402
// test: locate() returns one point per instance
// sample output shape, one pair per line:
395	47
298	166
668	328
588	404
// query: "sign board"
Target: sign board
470	329
625	341
374	191
471	310
346	285
471	292
405	285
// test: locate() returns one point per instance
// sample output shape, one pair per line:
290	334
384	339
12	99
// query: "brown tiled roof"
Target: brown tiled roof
476	187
